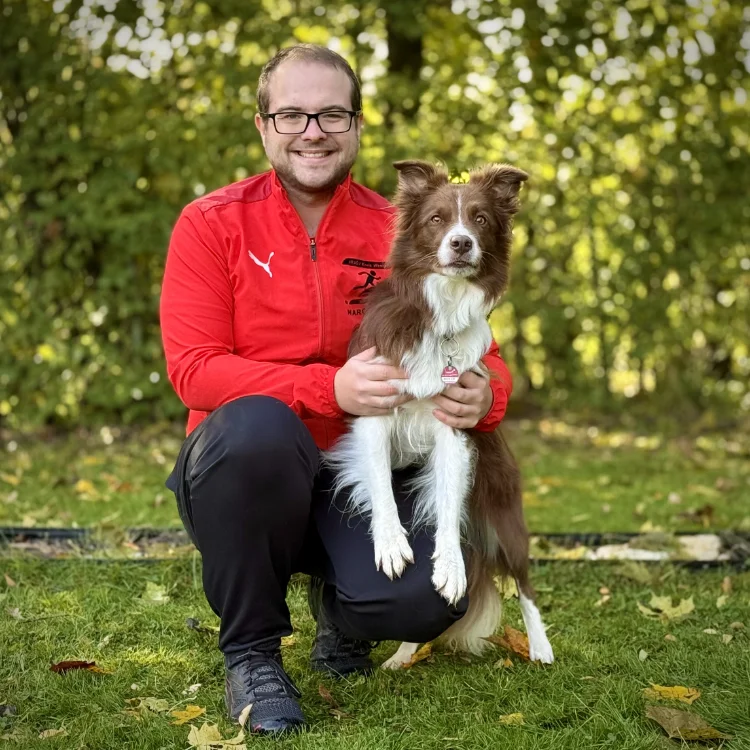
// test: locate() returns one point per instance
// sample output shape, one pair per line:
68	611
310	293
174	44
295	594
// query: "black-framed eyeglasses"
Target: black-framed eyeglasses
295	123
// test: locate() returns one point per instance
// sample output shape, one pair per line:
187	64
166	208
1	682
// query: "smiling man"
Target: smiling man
262	289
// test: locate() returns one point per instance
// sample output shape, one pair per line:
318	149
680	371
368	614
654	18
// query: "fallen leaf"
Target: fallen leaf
209	738
15	613
155	594
726	585
602	601
642	655
194	624
673	498
244	714
85	488
703	515
503	663
515	720
726	638
711	631
192	690
188	714
683	725
722	601
67	666
325	694
508	588
661	608
635	571
423	653
104	641
143	706
11	583
675	693
737	626
670	637
47	733
11	479
512	640
604	591
7	710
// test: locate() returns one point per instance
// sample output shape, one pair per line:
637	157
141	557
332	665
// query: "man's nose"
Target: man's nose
313	131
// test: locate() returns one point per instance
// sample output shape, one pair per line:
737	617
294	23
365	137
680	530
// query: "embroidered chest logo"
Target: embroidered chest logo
265	266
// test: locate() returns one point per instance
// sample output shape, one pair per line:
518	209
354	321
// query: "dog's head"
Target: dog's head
460	230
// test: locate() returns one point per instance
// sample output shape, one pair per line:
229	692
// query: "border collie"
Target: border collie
449	267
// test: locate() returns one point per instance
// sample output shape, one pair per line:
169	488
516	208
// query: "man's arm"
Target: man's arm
196	321
501	384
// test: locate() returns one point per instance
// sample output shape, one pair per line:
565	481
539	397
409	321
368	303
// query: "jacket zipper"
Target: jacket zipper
319	289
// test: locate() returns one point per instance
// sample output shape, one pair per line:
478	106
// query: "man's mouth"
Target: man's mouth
313	155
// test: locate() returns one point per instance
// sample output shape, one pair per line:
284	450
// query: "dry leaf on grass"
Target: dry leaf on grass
515	720
642	655
189	713
503	663
722	601
423	653
11	583
143	706
726	638
47	733
683	725
11	479
155	594
208	737
512	640
661	608
673	693
67	666
335	709
726	585
192	690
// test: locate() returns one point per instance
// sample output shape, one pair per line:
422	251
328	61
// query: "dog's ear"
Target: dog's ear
418	175
503	179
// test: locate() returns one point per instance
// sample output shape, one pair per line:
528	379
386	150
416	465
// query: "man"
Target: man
264	282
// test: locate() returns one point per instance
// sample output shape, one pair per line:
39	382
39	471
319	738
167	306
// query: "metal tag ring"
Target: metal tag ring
453	351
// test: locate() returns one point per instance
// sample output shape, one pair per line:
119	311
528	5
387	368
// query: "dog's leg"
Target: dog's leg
450	468
402	656
392	550
540	648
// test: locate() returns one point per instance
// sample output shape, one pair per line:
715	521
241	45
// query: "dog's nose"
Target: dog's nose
461	244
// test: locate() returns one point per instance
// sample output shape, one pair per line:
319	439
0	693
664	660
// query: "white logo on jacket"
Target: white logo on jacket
265	266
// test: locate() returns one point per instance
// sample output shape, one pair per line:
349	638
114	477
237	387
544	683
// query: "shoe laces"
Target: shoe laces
265	677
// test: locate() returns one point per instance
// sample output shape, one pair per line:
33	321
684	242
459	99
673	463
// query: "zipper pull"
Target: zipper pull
313	249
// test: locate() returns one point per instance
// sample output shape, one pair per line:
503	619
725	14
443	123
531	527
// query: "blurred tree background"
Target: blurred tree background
631	286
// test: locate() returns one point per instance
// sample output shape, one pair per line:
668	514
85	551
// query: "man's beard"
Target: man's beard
290	181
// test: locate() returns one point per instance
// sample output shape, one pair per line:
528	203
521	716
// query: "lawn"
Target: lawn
130	617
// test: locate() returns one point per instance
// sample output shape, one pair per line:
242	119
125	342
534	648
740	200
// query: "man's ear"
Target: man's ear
416	176
503	179
260	124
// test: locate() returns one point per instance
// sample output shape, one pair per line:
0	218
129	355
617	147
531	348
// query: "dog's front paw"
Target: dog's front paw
393	553
540	649
449	576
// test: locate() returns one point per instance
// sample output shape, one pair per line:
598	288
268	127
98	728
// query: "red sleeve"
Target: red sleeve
196	311
501	385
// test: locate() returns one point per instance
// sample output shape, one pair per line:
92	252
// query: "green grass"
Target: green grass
576	479
590	698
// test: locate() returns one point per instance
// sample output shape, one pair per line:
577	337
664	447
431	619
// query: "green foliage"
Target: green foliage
631	273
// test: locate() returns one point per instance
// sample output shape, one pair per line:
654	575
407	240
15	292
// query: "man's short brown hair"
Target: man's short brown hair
308	53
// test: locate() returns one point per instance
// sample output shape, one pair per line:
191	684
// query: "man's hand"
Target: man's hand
361	386
466	403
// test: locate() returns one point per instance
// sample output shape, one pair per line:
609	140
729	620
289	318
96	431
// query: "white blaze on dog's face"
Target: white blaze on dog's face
460	230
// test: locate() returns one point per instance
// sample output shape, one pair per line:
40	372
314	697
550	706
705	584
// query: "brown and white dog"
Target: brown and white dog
449	267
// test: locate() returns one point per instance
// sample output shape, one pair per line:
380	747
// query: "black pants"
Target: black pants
258	507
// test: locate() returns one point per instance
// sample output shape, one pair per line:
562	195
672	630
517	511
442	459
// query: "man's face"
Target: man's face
313	161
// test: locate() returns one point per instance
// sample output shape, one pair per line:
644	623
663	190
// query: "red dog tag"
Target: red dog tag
449	375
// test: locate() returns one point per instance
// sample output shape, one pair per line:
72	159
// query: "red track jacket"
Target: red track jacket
251	305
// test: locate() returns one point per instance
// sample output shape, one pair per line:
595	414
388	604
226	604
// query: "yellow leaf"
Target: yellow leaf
47	733
503	663
512	640
204	737
683	725
512	719
721	601
183	717
675	693
422	654
84	487
155	594
10	479
662	608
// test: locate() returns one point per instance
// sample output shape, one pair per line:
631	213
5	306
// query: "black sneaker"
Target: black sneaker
258	679
333	652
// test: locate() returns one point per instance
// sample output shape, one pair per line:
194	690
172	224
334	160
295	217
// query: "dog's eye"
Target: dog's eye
481	219
435	219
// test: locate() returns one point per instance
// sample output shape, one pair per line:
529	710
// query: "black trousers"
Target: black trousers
252	496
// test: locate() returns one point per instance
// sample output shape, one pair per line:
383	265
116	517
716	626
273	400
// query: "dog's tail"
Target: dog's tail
483	615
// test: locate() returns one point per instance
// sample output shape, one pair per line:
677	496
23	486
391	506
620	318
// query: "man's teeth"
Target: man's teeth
313	154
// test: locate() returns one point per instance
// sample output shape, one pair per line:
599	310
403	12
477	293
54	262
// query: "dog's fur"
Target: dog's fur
450	265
